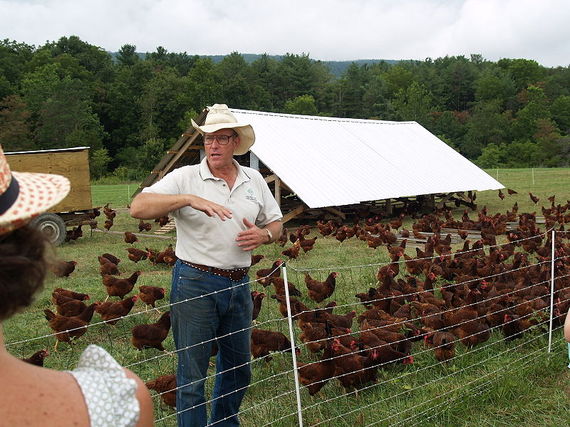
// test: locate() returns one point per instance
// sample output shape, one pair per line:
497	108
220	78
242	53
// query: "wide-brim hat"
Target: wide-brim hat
220	117
25	195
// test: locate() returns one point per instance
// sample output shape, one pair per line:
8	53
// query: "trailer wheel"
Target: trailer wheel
52	226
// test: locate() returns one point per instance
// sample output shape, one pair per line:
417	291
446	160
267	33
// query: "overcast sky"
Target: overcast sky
323	29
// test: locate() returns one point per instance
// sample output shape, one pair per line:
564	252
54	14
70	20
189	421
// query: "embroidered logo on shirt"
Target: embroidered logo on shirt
250	195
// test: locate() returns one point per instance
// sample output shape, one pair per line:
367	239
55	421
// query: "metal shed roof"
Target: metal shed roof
335	162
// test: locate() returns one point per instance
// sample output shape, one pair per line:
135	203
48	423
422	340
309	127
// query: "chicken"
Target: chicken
112	312
109	213
62	268
443	343
263	342
117	287
67	306
315	375
264	274
501	195
533	198
136	255
256	258
385	352
319	291
71	294
151	335
307	244
144	226
314	335
293	251
165	385
514	326
162	221
69	328
167	256
108	224
279	285
511	192
74	233
149	294
130	237
37	358
107	267
111	258
338	320
353	370
257	298
472	333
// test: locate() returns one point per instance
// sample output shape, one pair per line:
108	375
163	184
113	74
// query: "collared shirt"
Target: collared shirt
209	240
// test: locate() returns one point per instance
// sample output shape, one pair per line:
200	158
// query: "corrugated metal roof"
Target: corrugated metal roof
335	162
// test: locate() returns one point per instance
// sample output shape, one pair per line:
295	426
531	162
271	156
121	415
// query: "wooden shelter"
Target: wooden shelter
315	168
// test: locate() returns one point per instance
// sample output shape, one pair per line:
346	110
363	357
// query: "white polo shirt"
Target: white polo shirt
209	240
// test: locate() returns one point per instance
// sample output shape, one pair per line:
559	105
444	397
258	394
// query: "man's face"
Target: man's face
220	146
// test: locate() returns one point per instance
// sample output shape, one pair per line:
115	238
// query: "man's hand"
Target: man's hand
209	208
251	238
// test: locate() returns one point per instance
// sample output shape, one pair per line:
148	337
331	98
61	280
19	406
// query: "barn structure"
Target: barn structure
323	167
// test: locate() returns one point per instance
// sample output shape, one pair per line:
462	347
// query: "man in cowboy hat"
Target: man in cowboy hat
223	211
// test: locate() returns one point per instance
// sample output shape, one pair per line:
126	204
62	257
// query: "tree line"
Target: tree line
130	108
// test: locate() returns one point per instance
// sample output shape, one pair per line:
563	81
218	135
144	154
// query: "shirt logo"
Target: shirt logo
250	195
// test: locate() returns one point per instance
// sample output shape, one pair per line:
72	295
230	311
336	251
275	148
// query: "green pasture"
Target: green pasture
495	384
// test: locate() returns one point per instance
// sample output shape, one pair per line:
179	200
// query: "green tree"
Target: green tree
352	88
15	132
547	136
522	154
397	78
66	119
525	125
492	84
304	104
127	55
99	162
414	103
560	110
40	85
14	57
234	72
458	78
492	156
524	72
487	125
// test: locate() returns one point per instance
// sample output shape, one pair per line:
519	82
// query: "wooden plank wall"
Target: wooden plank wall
72	164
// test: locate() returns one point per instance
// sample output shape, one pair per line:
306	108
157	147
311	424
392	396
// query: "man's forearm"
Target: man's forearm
275	228
152	205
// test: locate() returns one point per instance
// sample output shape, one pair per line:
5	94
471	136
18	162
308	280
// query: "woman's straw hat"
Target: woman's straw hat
25	195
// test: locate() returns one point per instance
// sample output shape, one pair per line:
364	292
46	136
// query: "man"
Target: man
223	211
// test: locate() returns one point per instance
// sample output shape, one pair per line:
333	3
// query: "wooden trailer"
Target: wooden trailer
72	163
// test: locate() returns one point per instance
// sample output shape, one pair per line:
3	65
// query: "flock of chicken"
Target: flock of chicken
438	297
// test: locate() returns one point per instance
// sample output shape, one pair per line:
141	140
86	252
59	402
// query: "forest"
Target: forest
129	108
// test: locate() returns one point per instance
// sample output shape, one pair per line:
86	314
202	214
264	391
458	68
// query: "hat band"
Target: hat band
10	195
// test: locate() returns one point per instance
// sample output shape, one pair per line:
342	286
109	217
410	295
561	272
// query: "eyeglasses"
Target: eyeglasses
222	139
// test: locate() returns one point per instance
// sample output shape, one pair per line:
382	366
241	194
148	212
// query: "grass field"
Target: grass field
496	384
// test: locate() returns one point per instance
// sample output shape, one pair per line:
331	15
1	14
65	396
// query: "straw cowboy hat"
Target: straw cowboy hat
220	117
25	195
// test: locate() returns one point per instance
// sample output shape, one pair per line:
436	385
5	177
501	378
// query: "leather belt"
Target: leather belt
235	274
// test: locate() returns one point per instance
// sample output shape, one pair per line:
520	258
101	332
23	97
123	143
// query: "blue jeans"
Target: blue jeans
201	320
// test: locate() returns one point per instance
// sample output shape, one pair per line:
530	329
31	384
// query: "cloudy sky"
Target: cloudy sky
323	29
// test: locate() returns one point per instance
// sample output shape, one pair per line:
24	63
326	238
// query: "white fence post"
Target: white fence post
551	292
292	339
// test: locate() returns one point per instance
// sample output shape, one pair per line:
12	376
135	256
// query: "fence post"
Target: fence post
551	292
292	339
